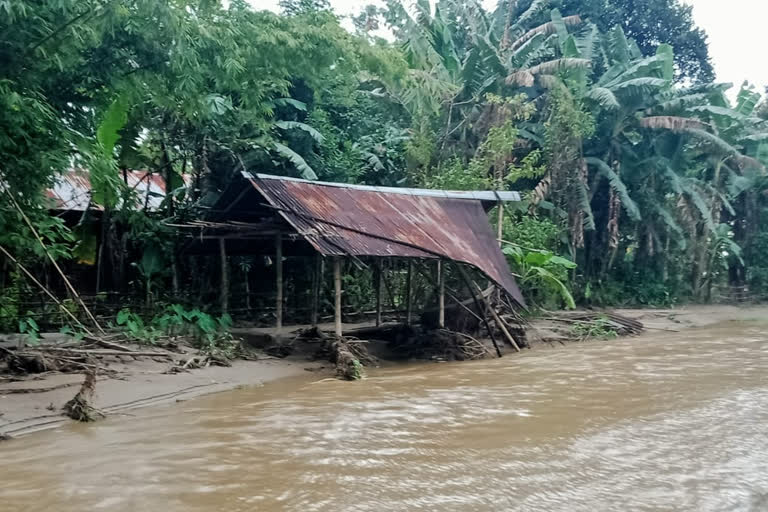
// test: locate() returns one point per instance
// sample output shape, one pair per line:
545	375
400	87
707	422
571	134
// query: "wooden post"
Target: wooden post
337	297
440	294
496	318
499	234
503	326
316	283
224	276
468	282
174	274
500	222
378	276
409	293
279	279
99	259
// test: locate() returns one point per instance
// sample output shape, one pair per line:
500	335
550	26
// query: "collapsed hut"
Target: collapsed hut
281	218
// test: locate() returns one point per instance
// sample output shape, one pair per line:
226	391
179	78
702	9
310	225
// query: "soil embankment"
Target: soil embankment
35	403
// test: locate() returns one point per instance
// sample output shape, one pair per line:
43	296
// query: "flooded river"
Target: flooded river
667	421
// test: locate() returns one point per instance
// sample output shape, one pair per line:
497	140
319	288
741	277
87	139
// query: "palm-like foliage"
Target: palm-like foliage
457	56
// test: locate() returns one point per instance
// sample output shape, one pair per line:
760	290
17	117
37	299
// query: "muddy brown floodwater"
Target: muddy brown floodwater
666	421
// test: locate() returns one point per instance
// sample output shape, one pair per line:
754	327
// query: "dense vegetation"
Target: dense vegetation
634	166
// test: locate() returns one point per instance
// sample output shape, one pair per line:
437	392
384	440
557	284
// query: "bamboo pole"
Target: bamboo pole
409	294
502	325
378	277
500	221
440	294
279	283
99	259
316	282
45	290
224	292
337	296
53	261
174	274
499	322
468	282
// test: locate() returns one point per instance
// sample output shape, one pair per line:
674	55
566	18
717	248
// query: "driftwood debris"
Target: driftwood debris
80	408
441	345
621	325
197	362
350	355
49	358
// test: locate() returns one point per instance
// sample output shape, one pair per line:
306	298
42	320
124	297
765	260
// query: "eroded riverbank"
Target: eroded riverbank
145	383
664	421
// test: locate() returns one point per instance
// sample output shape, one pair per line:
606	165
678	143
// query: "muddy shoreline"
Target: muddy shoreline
143	383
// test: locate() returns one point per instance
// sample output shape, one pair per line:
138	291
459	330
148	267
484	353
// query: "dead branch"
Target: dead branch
53	261
44	289
108	344
96	352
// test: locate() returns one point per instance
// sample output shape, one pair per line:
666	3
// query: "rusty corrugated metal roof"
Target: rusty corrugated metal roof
481	195
341	221
72	190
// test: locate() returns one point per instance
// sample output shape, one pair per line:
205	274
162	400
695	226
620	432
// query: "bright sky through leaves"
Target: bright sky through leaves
738	34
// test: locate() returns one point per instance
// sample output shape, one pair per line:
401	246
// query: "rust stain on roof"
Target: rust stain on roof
340	221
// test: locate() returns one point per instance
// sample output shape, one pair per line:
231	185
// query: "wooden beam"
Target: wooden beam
279	283
500	221
224	298
499	322
409	294
440	294
337	296
378	277
503	326
317	281
468	282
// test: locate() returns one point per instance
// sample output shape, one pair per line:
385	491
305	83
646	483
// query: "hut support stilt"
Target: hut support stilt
440	294
316	282
409	294
224	297
337	296
279	277
378	277
468	282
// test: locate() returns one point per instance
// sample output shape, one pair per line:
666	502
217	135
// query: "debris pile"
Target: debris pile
440	344
564	326
80	408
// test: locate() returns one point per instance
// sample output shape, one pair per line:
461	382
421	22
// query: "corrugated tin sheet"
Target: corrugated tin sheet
72	190
340	221
480	195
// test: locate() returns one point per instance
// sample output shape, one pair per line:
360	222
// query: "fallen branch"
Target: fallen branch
44	289
97	352
108	344
197	362
53	261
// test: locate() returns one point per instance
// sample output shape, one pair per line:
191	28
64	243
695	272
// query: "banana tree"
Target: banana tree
457	56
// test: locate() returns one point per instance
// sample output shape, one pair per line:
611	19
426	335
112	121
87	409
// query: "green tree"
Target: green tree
650	23
296	7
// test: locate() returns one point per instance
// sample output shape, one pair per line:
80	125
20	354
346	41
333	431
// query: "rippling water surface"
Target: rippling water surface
666	421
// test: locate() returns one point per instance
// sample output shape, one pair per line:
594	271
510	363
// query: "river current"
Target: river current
665	421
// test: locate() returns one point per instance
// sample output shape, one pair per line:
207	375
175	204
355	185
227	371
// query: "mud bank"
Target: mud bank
33	405
138	384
